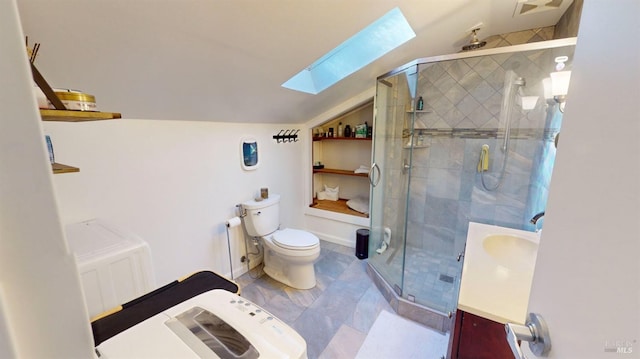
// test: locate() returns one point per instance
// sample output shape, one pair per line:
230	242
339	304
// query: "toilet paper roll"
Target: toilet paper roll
233	222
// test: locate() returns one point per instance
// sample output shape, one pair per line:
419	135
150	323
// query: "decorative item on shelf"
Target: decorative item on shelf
420	104
329	193
75	100
33	51
39	79
347	131
318	165
50	149
286	136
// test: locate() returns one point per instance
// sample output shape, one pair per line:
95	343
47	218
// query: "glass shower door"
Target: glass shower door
390	175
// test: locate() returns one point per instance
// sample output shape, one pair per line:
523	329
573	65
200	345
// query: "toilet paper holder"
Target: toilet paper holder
243	212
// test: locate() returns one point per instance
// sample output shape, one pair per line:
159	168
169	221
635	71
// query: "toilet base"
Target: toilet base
298	275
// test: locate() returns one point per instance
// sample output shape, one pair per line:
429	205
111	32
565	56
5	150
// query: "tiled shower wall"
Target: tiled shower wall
463	101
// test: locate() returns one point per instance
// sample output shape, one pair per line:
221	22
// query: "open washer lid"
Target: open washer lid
295	239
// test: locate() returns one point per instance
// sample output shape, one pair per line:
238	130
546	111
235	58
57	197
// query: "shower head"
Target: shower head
475	43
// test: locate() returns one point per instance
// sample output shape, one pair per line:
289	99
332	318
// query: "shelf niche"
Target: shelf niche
341	156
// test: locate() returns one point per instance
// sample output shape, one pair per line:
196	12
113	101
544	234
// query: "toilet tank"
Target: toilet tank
262	217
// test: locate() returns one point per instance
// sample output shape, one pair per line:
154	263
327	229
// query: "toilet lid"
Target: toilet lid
295	239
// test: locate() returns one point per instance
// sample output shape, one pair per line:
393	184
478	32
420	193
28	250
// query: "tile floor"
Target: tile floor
336	315
431	277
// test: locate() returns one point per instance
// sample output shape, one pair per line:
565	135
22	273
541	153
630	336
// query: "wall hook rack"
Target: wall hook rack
286	136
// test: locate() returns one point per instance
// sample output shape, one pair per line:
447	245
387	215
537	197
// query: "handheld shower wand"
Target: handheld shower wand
508	100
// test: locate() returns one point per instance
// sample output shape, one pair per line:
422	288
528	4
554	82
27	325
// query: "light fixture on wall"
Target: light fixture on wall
528	102
557	85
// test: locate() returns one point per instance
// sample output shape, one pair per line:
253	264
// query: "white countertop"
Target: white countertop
494	289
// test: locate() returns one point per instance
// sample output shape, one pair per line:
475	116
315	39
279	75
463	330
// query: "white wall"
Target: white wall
587	279
174	183
41	304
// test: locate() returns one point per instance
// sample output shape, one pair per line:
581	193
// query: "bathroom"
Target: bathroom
135	171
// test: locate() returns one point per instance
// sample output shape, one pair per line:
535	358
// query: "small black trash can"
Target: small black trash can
362	243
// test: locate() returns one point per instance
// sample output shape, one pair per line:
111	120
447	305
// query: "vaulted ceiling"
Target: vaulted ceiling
225	60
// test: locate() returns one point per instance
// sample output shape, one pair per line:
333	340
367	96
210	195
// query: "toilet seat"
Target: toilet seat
294	239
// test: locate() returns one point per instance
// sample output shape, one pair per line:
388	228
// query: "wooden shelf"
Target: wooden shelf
339	206
342	138
60	168
77	116
340	172
74	116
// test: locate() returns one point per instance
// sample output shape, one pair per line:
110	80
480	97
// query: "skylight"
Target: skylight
375	40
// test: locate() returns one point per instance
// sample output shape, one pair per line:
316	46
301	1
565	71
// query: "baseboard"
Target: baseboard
334	239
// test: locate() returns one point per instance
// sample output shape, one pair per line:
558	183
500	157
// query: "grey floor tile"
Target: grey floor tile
335	316
284	309
317	328
345	344
333	264
367	309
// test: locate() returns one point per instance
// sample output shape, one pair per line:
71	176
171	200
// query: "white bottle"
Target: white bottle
340	130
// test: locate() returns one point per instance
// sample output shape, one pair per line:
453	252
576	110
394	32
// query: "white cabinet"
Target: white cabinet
114	264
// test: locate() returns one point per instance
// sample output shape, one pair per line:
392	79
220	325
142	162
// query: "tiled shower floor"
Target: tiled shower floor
431	278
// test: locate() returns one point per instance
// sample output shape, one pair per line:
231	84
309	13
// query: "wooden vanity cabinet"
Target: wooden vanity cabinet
474	337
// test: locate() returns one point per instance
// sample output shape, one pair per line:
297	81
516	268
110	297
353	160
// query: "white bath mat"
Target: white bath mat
392	336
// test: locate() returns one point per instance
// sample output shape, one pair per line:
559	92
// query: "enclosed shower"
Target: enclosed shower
481	149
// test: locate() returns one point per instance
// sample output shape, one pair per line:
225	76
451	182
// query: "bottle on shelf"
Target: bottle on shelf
340	133
420	104
347	131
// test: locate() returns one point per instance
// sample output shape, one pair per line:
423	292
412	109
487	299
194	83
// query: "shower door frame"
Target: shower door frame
540	45
378	223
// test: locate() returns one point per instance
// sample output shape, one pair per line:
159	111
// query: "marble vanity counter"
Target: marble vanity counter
497	272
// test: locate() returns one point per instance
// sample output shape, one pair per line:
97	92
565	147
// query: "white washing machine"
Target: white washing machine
215	324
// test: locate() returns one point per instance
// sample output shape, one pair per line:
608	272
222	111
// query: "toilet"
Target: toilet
289	254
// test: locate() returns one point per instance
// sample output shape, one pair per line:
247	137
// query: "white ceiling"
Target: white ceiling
225	60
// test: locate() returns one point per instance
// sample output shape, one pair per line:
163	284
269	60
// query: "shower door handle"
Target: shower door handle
374	182
405	166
